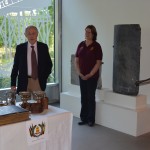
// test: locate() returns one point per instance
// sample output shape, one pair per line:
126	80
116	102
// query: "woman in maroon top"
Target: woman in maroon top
88	61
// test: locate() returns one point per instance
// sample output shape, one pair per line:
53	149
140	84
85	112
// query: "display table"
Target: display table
14	136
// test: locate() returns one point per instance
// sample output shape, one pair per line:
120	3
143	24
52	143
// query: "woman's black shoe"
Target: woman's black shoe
91	124
82	123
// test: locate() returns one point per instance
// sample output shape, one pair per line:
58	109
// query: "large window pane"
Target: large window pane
12	26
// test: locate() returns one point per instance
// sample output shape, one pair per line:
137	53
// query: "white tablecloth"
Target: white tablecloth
14	137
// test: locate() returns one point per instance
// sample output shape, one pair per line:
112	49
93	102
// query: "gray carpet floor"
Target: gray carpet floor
102	138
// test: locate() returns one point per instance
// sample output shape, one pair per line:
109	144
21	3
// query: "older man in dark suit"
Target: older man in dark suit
23	68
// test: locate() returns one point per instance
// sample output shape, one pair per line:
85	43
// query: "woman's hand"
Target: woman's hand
86	77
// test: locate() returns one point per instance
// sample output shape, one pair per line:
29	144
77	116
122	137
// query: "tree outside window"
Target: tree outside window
12	28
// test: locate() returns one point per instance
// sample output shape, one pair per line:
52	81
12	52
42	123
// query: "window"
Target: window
12	26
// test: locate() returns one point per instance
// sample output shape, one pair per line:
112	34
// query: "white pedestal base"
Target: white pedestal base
129	121
127	114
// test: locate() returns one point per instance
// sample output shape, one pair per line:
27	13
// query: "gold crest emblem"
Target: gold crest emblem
81	48
92	48
37	130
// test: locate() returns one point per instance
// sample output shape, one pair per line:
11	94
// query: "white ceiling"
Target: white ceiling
21	5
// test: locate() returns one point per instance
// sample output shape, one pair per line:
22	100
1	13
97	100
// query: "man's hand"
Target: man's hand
13	88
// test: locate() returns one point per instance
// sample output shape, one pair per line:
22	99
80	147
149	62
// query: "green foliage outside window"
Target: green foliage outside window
7	50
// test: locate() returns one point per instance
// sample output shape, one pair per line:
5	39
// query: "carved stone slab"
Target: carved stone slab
126	59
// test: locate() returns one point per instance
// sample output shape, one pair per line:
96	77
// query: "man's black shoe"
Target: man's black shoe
91	124
82	123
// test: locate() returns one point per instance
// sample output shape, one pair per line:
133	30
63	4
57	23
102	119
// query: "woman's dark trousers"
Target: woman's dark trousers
88	104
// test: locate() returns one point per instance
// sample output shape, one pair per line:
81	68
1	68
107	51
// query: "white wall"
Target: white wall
104	14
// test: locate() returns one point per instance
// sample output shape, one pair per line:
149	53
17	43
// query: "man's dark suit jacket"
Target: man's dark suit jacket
20	69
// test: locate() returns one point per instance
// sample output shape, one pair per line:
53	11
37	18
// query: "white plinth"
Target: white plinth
132	102
127	114
129	121
71	100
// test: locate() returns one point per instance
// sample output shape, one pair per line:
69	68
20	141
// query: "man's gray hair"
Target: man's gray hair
29	27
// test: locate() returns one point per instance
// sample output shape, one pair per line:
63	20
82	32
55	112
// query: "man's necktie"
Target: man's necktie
34	64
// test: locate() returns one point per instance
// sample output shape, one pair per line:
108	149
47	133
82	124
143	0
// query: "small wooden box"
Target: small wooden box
13	114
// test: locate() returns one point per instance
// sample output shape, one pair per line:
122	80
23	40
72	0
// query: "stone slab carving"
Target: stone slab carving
126	59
